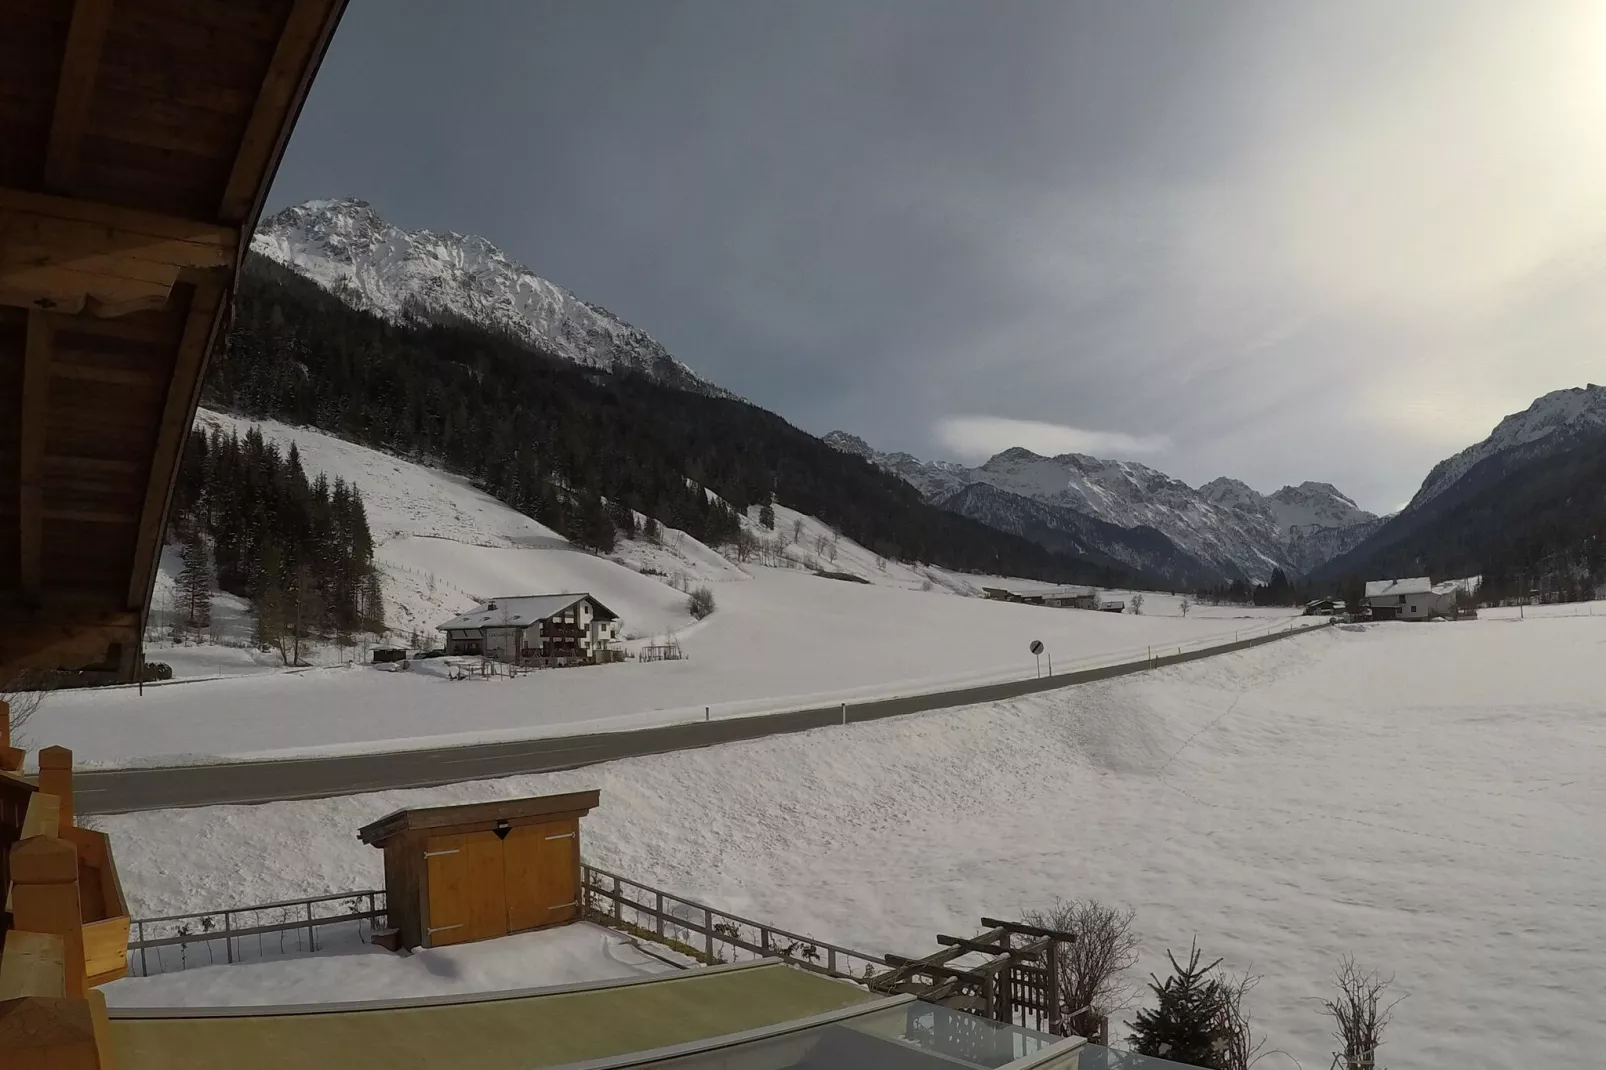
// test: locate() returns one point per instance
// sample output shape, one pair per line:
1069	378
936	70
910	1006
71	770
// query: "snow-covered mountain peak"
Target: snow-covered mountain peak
1548	423
841	440
1225	524
1231	493
347	247
1315	505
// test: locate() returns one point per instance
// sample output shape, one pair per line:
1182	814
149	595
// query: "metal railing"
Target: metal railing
707	935
253	933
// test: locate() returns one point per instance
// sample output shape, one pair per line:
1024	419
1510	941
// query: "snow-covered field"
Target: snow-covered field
783	639
1424	796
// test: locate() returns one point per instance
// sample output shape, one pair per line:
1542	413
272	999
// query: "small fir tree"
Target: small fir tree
766	516
195	584
1187	1024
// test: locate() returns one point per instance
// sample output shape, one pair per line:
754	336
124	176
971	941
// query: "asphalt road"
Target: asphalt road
115	791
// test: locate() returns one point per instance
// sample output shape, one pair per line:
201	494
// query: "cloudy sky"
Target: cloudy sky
1270	239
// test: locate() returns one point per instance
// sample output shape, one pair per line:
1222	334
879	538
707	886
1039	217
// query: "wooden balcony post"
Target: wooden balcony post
44	899
10	757
55	778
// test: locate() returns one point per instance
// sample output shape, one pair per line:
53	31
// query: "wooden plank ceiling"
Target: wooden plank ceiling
139	138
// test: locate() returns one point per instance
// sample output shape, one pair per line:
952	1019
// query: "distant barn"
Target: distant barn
1058	597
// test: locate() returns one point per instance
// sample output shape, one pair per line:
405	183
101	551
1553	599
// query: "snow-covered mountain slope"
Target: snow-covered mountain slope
1062	529
1553	422
442	545
1227	525
933	479
348	248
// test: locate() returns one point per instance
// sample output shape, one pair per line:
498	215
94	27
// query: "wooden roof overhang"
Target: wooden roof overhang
138	139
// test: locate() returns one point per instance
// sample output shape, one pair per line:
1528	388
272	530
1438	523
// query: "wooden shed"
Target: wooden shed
459	873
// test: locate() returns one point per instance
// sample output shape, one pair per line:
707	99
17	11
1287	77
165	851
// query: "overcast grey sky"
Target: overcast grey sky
1270	239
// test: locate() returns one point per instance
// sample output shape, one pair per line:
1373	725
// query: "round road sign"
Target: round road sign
1037	646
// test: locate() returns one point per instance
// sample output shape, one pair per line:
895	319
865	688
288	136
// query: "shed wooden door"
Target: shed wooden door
541	863
466	896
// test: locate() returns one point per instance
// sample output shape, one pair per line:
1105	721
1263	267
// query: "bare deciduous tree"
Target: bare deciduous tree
797	529
1359	1013
1242	1046
1092	971
745	544
1137	603
1184	605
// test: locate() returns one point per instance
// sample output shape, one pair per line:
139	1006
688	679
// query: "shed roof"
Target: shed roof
519	611
438	817
1385	588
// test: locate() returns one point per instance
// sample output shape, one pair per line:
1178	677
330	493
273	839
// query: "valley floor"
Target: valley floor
782	639
1426	797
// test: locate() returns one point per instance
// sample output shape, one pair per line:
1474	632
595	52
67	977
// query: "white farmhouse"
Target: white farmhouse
1416	598
523	628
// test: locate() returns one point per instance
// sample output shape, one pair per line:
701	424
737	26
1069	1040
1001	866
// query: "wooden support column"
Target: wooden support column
42	1033
10	757
55	778
44	899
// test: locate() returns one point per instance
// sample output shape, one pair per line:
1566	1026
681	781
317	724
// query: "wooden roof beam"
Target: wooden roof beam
76	256
75	88
201	324
306	33
35	415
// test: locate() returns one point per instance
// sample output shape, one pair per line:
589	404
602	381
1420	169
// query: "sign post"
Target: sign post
1037	651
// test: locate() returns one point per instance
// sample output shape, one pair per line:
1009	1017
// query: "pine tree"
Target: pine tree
269	631
195	584
1187	1025
766	516
373	604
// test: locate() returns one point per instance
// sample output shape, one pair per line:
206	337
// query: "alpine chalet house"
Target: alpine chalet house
540	628
1410	599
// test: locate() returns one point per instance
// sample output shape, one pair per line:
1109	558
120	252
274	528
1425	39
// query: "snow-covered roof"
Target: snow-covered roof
522	610
1063	592
1385	588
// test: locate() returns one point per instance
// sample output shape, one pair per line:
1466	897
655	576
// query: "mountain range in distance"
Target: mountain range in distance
1222	531
1105	509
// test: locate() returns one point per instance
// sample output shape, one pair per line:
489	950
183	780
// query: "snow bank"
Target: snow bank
563	956
1424	796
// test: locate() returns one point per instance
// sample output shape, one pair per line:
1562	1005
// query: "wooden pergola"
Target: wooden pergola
138	139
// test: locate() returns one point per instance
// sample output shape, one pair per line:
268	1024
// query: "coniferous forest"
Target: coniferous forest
299	547
576	448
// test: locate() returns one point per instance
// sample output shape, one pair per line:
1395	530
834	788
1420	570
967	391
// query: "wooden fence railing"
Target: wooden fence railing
252	933
708	935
